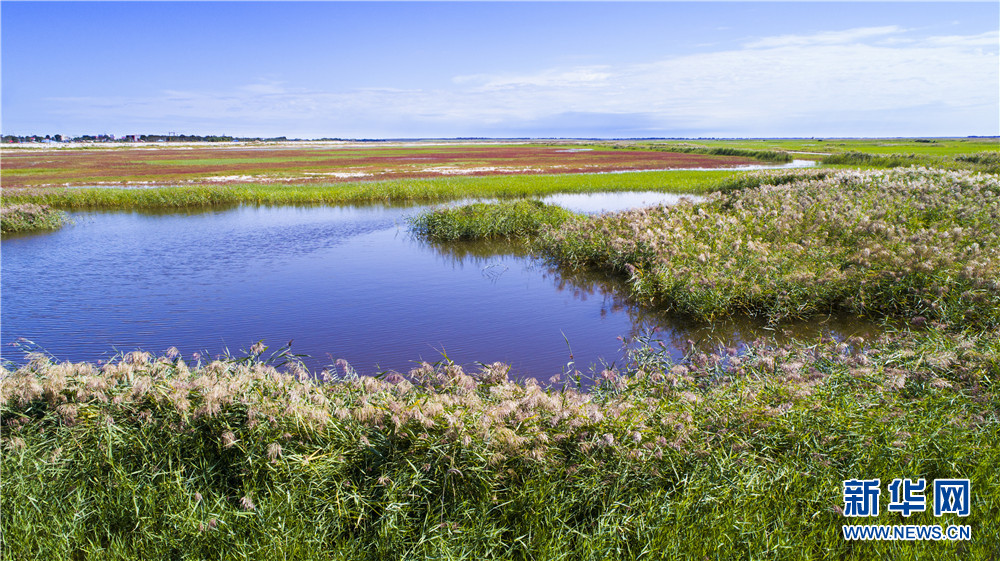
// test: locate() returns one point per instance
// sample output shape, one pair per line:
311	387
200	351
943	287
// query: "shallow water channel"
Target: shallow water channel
340	282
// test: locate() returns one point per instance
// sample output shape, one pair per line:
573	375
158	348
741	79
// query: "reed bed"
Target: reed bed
916	244
29	217
724	456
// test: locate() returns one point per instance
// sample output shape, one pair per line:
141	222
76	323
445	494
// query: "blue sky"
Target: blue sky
501	69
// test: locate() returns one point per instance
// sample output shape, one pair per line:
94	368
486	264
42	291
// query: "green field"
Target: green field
927	146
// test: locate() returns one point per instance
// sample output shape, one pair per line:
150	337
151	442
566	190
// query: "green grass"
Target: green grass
917	245
718	457
410	190
933	147
760	155
510	219
953	153
949	147
986	162
34	171
29	217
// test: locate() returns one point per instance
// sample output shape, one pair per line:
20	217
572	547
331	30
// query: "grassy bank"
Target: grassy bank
29	217
719	457
412	190
916	244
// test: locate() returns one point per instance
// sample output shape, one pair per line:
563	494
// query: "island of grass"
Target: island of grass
478	221
29	217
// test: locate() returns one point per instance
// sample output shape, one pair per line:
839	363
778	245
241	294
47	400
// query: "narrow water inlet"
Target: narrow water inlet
596	203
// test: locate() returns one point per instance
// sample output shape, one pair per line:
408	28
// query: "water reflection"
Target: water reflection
608	293
596	203
340	282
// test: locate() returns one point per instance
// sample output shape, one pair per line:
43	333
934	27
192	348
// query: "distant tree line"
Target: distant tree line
14	139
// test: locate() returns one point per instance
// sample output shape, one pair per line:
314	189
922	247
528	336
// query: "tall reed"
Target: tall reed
916	244
722	455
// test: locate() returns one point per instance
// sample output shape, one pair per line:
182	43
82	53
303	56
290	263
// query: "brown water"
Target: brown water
339	282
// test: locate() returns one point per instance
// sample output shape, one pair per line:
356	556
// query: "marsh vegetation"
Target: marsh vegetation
514	219
909	243
726	450
728	455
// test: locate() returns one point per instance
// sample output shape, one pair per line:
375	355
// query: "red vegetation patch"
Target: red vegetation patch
293	164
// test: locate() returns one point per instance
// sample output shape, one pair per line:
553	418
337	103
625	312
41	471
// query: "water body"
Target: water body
339	282
596	203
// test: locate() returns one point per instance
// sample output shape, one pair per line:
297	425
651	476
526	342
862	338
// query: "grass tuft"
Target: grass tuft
509	219
29	217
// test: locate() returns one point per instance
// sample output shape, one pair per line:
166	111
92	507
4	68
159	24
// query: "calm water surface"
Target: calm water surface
340	282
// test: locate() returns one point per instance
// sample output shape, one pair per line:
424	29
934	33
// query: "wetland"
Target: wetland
783	331
344	283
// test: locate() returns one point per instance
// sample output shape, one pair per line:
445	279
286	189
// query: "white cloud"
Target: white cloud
793	79
265	87
582	76
788	85
825	38
989	39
